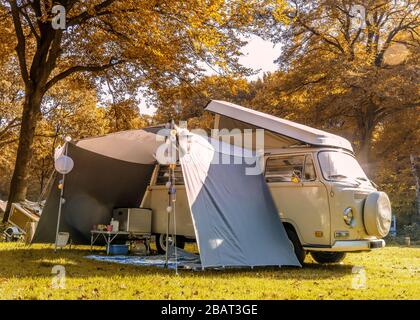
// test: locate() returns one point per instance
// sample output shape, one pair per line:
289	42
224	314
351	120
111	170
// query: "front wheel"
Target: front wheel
161	242
328	257
297	246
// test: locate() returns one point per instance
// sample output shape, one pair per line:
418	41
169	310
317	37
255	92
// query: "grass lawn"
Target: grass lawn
25	273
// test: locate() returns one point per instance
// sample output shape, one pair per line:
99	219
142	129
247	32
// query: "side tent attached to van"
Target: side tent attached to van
234	216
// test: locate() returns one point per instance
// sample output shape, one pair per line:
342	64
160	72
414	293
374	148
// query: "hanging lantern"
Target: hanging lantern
64	164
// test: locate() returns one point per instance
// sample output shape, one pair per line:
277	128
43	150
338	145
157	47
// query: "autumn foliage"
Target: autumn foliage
350	74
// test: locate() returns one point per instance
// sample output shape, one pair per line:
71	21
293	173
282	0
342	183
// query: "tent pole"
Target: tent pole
171	197
174	201
167	229
169	208
60	204
174	215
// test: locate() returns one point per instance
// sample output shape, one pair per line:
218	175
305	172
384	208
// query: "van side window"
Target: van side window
310	174
283	169
163	175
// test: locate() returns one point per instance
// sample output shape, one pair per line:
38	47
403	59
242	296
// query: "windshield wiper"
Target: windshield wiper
344	177
373	184
337	176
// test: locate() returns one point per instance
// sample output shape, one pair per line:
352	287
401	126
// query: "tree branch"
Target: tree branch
12	124
304	84
400	27
85	15
54	51
29	22
317	33
21	45
381	113
3	143
74	69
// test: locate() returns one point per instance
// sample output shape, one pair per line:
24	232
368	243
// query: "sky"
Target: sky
258	55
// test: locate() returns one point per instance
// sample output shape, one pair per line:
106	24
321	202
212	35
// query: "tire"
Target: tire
299	251
161	242
328	257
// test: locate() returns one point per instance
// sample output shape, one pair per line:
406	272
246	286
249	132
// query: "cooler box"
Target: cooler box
133	219
118	249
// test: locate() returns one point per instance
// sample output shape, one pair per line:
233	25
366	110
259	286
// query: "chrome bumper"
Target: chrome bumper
350	245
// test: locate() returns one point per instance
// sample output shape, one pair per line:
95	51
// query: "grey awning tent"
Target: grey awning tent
109	172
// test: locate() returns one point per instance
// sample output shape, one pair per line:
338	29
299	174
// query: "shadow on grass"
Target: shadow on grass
32	262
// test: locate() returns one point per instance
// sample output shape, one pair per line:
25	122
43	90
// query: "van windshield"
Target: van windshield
341	166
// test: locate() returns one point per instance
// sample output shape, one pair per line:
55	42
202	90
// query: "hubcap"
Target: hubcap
162	241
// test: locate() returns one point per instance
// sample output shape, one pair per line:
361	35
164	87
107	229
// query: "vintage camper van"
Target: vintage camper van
326	202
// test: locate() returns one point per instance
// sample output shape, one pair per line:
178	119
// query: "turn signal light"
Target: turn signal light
341	234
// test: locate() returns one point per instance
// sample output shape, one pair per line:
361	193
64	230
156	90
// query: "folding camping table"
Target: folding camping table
110	236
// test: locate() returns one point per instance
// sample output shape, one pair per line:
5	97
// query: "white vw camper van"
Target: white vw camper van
326	202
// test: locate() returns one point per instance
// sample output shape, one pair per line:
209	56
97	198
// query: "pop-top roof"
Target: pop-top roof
286	128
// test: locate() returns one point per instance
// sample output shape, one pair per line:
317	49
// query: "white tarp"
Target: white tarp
234	216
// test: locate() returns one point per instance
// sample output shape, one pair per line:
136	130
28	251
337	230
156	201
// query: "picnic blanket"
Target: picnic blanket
184	259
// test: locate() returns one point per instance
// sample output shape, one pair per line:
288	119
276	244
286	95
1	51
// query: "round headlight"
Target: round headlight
348	216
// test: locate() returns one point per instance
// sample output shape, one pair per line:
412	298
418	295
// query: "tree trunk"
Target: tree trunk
365	128
417	180
30	115
364	152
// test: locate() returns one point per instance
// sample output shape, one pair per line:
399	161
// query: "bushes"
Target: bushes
411	230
